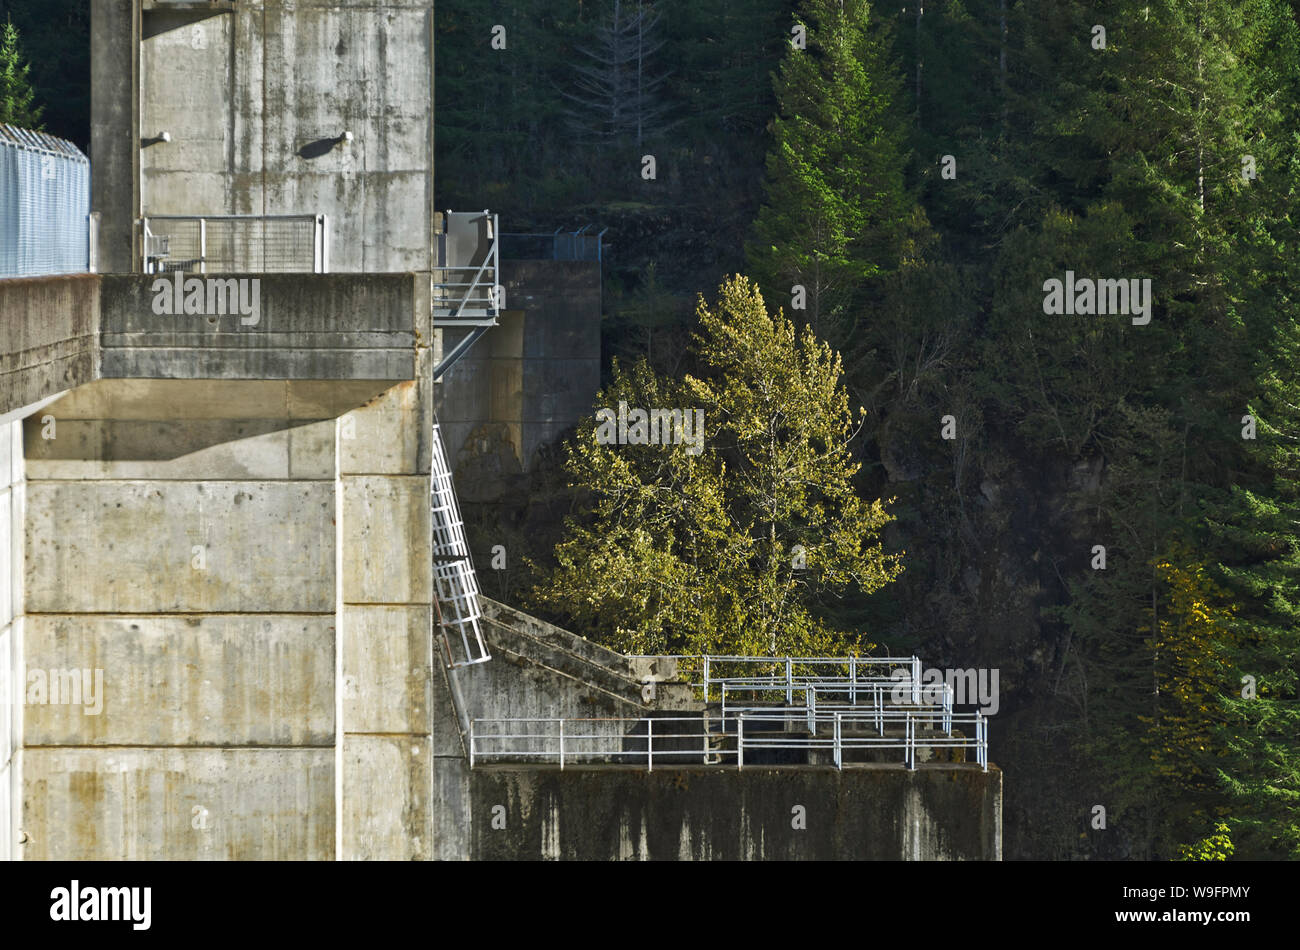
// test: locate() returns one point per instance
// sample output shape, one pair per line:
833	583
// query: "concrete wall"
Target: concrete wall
114	130
879	813
240	549
387	664
305	326
528	380
12	498
253	98
49	337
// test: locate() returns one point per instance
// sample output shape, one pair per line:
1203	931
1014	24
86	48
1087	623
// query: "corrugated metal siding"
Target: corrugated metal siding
44	205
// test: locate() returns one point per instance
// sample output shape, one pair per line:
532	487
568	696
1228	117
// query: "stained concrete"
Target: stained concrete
12	511
255	100
49	337
178	804
880	813
314	533
135	547
528	380
203	680
310	326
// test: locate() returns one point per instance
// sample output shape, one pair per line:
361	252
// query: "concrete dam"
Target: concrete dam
238	616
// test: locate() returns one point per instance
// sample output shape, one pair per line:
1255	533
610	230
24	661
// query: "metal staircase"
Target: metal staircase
456	587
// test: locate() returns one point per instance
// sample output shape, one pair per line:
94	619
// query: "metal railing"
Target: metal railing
878	696
465	293
572	741
236	243
791	671
560	245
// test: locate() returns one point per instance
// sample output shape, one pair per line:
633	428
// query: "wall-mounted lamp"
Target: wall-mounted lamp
345	138
157	139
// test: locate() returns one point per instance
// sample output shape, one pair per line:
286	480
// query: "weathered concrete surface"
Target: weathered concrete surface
385	620
188	429
133	546
530	379
203	680
114	125
388	668
387	798
178	804
255	101
49	331
12	507
620	813
243	651
58	333
309	326
379	512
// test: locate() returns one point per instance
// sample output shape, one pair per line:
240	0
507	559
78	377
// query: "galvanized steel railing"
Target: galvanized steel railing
795	670
574	741
236	243
877	695
465	293
821	696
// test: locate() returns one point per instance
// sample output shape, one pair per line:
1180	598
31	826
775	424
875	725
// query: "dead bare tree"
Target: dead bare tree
617	94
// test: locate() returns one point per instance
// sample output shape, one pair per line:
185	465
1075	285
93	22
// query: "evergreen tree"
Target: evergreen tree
836	207
17	97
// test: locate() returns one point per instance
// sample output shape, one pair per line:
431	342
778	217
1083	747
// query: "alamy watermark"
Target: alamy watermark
1090	297
975	687
58	687
652	427
75	902
209	297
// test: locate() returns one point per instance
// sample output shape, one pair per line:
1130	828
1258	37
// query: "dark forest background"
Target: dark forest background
1164	686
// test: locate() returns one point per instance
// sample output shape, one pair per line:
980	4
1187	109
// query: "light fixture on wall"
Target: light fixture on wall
160	138
345	138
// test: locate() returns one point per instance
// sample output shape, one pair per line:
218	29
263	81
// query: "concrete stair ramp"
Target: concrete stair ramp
511	631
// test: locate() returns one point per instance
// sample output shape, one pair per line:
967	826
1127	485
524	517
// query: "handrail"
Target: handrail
242	249
567	746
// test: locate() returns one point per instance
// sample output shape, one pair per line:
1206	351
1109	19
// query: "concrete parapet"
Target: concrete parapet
308	326
49	330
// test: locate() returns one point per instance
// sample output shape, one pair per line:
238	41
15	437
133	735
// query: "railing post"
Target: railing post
740	741
853	681
203	245
916	681
911	742
561	745
471	743
706	682
982	730
650	745
839	753
789	685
